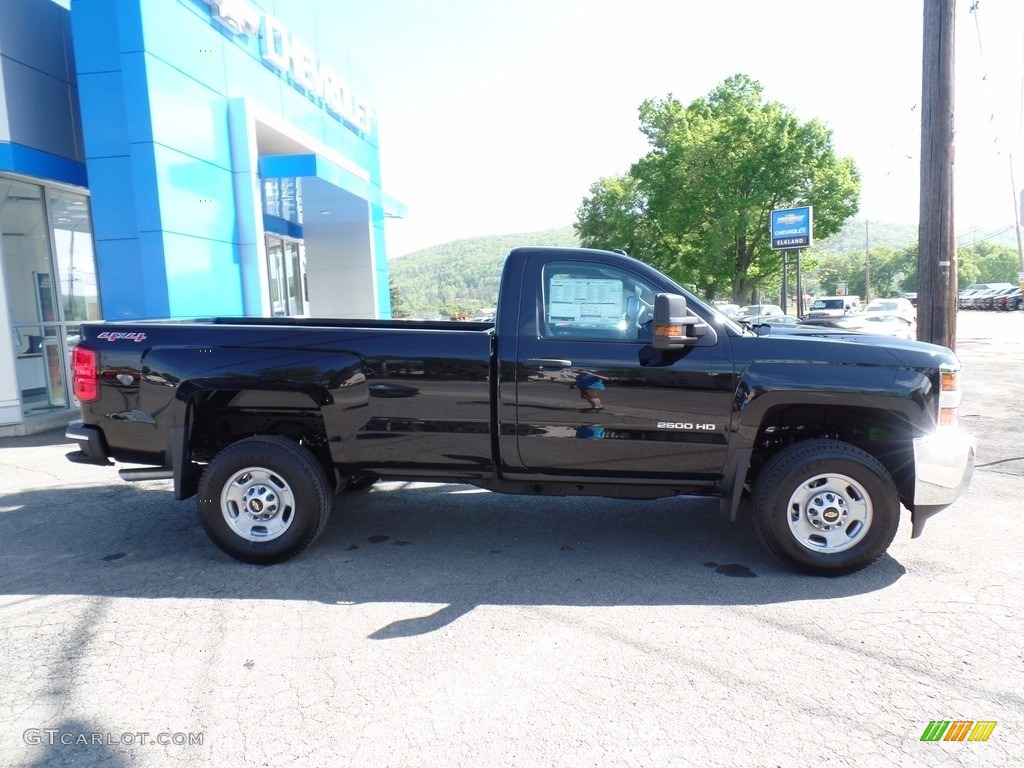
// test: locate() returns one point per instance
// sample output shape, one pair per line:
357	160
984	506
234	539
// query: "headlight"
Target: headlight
950	394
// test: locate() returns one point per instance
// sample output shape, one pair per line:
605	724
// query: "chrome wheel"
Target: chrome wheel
829	513
257	504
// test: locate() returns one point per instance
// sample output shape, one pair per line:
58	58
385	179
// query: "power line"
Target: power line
990	236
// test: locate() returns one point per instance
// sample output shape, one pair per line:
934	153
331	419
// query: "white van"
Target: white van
834	306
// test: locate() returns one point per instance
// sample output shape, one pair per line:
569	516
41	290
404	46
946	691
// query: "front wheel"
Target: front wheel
263	499
826	507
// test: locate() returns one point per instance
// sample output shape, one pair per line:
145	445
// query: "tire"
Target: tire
825	507
263	499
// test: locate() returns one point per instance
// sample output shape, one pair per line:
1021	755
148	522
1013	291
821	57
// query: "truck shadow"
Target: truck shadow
451	545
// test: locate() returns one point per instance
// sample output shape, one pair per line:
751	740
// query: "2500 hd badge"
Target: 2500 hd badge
689	425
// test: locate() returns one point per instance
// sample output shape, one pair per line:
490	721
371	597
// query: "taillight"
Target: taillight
85	374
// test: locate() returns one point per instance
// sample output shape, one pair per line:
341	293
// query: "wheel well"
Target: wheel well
886	435
222	417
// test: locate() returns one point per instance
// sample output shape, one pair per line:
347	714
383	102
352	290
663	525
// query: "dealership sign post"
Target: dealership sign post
792	229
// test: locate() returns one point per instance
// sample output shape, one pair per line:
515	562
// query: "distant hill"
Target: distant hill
467	272
462	272
877	234
855	233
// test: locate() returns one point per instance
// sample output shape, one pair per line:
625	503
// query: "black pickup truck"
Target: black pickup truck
599	376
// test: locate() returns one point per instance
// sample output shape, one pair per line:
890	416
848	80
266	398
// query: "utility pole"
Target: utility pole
936	256
1017	215
867	264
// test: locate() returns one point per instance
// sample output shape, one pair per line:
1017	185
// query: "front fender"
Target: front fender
764	386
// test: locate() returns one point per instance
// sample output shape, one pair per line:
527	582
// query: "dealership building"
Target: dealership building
176	158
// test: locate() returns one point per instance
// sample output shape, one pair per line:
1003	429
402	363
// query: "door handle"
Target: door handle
543	362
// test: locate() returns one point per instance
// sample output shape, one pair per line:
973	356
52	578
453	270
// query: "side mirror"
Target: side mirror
673	327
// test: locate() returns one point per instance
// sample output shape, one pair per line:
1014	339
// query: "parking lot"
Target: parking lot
439	625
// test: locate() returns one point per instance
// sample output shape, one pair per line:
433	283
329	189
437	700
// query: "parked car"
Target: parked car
876	323
774	320
727	309
758	310
968	296
889	325
989	300
1009	301
896	306
971	299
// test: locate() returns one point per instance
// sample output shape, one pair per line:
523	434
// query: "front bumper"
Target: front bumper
943	465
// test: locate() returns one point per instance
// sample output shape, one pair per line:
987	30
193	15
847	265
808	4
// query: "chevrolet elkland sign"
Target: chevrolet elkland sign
792	228
293	60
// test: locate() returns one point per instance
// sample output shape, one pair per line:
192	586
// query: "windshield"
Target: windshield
827	304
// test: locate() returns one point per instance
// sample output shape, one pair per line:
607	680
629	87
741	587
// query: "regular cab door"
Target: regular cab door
593	396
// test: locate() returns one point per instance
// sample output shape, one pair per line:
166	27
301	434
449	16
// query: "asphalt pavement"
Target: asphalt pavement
440	625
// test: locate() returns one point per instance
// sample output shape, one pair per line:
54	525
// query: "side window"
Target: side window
588	300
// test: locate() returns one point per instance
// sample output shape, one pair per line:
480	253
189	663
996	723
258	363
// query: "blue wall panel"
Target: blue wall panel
32	32
196	197
131	290
101	95
32	162
147	194
197	54
192	118
203	277
117	219
102	30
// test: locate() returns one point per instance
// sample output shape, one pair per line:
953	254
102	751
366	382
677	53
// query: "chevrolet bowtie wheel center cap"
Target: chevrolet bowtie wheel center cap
827	511
260	502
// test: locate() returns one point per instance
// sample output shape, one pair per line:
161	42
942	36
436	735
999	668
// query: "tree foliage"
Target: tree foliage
986	262
894	270
697	205
398	308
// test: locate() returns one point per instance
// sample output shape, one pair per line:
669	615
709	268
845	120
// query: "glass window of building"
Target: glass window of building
49	267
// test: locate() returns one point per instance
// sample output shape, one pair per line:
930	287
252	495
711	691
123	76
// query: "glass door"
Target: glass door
286	275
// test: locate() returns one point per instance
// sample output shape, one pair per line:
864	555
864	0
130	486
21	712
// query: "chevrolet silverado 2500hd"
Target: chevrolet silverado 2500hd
598	376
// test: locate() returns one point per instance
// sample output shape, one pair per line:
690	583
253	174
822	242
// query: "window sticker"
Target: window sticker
595	303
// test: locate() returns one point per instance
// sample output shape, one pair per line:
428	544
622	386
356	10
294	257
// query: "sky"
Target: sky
496	116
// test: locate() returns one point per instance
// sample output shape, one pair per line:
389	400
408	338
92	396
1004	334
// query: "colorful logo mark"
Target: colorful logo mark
958	730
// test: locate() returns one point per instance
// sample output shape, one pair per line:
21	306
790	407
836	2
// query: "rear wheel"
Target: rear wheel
263	499
826	507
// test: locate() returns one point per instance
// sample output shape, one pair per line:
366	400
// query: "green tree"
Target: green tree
398	308
697	205
986	262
